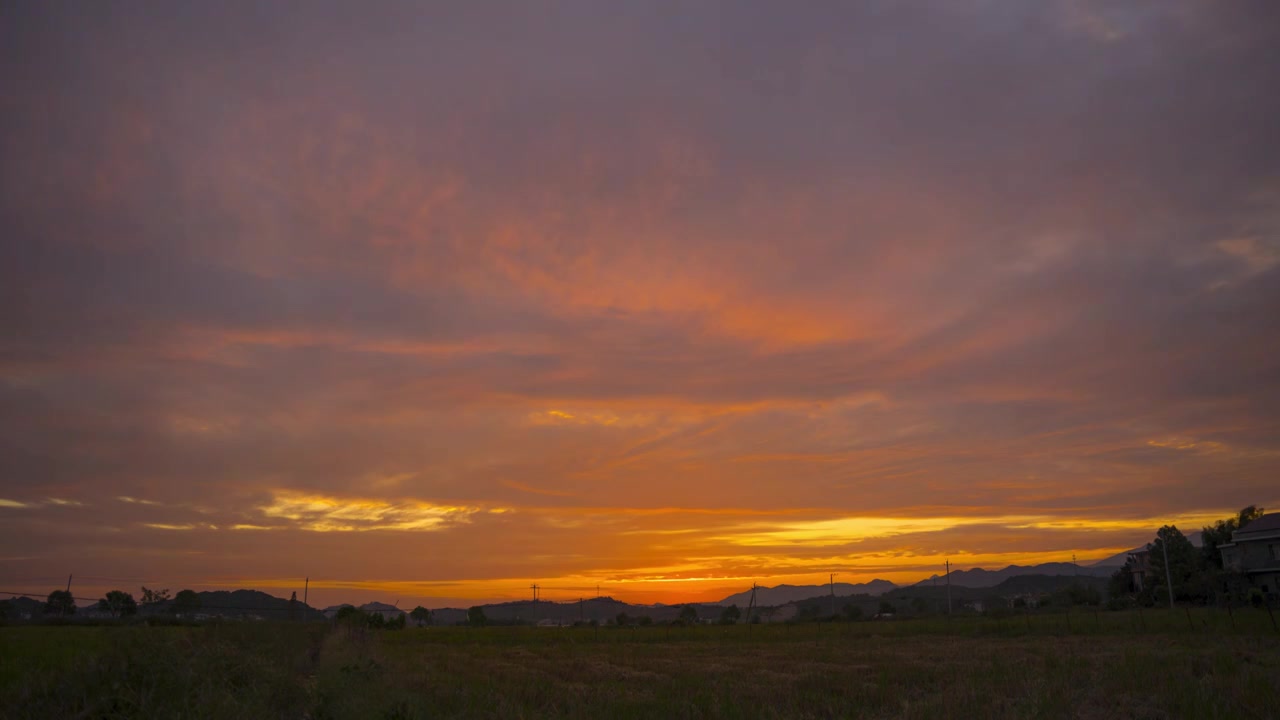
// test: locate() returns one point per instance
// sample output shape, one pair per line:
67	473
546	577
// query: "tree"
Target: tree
623	619
851	612
6	610
730	615
644	620
60	602
688	615
1185	565
151	597
396	623
475	616
118	603
186	602
886	607
421	616
1121	582
1219	534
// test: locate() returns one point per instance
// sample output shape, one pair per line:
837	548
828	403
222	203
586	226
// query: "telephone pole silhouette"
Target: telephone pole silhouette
948	587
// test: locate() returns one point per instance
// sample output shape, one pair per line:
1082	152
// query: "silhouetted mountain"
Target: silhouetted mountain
1119	559
252	604
980	578
783	594
602	610
24	608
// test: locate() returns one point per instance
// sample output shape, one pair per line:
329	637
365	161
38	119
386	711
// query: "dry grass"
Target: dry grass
971	668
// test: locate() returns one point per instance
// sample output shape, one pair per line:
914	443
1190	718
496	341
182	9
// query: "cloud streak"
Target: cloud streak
689	291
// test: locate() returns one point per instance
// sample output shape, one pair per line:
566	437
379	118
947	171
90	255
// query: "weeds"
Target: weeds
963	667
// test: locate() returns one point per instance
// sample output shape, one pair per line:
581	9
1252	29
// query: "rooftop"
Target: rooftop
1267	523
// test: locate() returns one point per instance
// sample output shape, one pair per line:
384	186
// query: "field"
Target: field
1201	664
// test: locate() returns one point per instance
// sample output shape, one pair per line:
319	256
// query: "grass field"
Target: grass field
1160	664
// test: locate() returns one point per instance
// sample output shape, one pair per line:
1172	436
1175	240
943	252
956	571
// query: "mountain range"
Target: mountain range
783	594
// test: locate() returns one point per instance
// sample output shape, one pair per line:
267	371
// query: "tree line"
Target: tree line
1195	575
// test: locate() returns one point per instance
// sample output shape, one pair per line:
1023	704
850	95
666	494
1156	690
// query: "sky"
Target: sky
429	302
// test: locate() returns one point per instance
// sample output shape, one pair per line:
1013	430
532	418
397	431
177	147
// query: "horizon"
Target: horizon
434	302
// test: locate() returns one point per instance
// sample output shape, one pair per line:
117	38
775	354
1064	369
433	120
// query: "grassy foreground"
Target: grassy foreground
1101	666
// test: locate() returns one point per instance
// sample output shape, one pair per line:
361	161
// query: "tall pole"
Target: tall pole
1168	577
948	587
68	584
305	587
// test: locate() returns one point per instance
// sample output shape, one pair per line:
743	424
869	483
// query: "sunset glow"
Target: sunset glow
431	302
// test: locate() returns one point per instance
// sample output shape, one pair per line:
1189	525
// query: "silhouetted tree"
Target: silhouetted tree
1219	534
623	619
688	615
60	602
886	608
186	602
851	611
1121	583
421	616
475	616
118	603
1185	565
730	615
151	597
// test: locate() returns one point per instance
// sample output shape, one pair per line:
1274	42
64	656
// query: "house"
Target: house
1255	551
1139	565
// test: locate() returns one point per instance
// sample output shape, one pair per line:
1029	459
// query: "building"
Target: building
1255	551
1139	565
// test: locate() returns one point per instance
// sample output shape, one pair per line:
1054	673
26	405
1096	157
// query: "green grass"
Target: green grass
1038	666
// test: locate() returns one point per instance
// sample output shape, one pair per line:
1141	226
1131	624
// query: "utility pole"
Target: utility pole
68	584
948	587
306	585
1168	577
582	616
534	587
831	580
1077	566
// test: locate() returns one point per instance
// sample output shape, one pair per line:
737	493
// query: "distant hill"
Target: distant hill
783	594
601	610
980	578
1119	559
23	608
252	604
